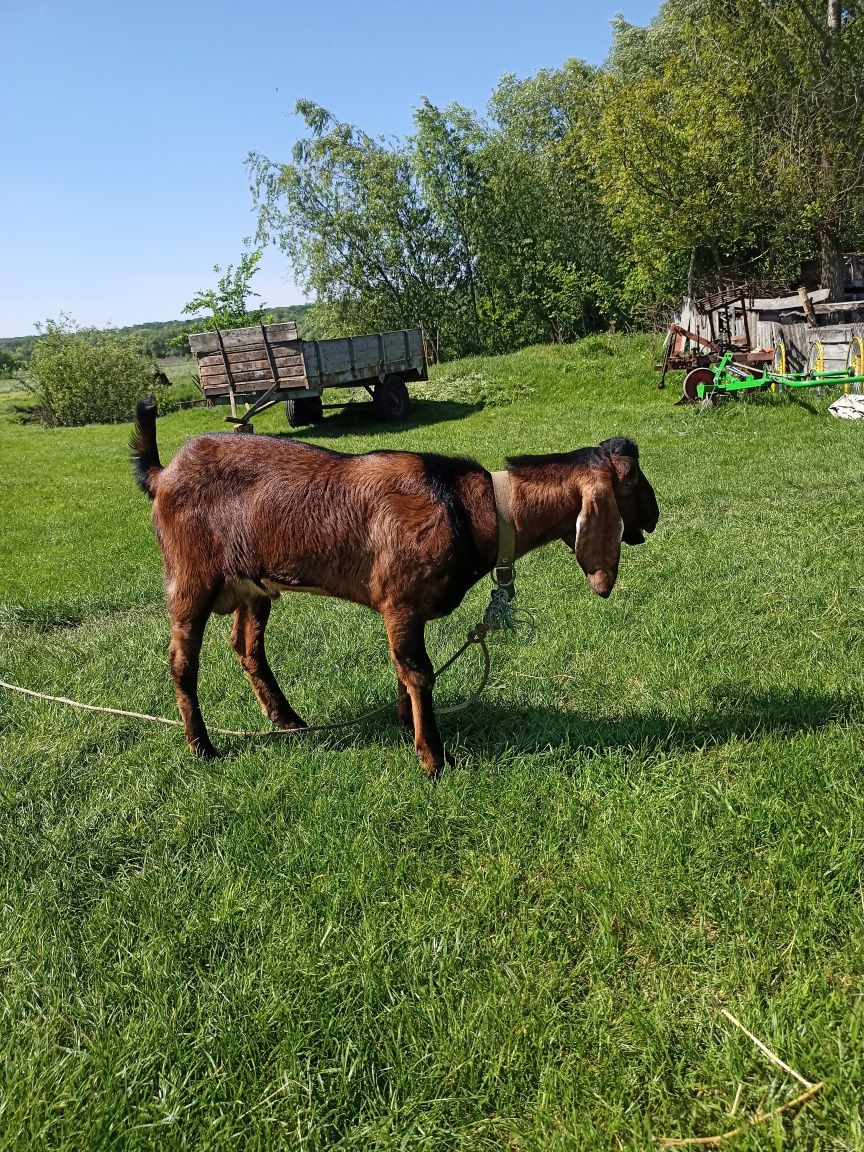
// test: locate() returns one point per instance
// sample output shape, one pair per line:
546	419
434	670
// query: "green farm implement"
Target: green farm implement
729	377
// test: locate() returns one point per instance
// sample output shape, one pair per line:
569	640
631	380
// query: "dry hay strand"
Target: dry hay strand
760	1117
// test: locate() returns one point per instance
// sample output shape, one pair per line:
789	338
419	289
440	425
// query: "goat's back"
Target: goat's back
270	508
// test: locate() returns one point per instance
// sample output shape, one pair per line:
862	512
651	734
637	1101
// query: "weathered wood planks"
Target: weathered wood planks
237	338
249	361
797	338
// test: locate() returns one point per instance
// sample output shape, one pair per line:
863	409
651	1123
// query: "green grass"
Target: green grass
656	811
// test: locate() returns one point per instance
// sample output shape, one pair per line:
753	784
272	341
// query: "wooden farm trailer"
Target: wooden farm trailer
269	363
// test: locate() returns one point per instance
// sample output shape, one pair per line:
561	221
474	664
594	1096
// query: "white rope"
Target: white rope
179	723
88	707
476	636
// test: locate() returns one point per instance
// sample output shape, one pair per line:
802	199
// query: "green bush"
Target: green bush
9	363
86	376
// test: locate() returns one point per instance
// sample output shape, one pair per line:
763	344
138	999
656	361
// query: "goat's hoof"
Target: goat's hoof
204	750
434	772
290	724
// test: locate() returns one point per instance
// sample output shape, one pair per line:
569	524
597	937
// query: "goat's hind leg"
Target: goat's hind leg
247	639
184	651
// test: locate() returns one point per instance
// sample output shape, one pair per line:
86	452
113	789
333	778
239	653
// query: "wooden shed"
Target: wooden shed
735	319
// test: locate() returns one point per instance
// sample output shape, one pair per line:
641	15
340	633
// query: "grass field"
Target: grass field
656	811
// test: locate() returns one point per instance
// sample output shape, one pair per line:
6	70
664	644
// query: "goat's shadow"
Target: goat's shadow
357	417
490	729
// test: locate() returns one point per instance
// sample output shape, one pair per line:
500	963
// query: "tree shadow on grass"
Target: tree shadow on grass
490	729
27	413
357	418
41	618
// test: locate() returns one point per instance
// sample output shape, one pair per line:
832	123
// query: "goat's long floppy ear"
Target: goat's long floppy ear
598	533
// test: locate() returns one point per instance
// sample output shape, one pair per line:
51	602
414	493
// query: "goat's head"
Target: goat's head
618	503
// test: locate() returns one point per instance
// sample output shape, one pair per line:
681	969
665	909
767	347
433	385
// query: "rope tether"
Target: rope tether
477	635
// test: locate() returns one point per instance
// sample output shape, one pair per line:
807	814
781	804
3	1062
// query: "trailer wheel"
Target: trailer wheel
304	410
692	379
390	400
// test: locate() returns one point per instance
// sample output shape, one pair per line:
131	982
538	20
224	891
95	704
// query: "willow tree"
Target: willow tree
470	227
349	214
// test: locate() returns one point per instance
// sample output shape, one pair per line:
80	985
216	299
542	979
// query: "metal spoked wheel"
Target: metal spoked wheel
815	357
778	366
855	362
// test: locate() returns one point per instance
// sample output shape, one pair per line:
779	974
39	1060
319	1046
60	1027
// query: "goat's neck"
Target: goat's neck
545	502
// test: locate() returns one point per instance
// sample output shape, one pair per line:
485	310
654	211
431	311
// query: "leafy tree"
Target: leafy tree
447	155
349	214
729	134
800	88
466	229
227	303
666	151
563	264
19	347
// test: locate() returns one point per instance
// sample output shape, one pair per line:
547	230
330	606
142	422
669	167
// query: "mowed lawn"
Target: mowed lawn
655	813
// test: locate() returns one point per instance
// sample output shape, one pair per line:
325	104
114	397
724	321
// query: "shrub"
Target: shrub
9	363
86	376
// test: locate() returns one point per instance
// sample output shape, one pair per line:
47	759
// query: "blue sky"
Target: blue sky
124	125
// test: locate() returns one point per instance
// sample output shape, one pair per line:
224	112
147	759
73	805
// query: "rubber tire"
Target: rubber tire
304	410
390	400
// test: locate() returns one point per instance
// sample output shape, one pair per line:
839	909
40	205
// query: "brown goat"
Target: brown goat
241	519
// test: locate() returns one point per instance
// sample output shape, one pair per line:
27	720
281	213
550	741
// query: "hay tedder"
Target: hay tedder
711	382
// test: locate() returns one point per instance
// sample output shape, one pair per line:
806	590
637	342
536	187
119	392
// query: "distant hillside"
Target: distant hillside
157	335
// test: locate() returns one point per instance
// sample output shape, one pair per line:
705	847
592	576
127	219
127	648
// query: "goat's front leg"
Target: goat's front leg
247	639
404	710
184	652
416	677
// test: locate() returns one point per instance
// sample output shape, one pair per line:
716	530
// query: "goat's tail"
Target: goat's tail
146	464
